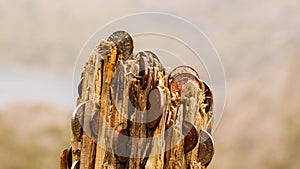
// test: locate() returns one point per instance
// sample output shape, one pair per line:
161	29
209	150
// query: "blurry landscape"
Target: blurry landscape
258	42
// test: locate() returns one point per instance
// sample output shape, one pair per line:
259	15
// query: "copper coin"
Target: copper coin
156	106
179	80
77	121
143	70
80	85
76	165
123	41
69	157
190	136
94	123
183	69
206	148
122	146
208	98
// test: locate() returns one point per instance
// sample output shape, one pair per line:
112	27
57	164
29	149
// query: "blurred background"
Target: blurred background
258	42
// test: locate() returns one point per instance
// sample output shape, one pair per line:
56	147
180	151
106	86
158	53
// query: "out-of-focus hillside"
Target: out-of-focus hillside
33	135
258	42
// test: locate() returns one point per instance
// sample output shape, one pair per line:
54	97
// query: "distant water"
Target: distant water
21	85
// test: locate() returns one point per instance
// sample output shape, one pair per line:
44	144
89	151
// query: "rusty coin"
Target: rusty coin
183	69
123	41
179	80
76	165
208	98
77	121
143	70
122	146
156	106
80	86
206	148
69	157
94	123
190	136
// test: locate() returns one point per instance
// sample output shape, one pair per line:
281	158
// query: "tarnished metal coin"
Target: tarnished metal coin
179	80
143	70
206	148
156	106
183	69
80	86
123	41
208	98
94	123
77	121
76	165
190	136
122	146
69	157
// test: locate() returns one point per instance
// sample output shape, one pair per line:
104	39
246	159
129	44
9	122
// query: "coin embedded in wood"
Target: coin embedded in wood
69	157
123	41
183	69
77	121
206	148
143	70
190	136
80	86
208	98
179	80
76	165
94	123
122	146
156	106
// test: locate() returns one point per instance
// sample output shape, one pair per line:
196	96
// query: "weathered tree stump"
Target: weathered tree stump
134	113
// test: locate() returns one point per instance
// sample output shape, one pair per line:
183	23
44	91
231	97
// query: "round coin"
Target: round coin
156	106
94	123
69	157
208	98
206	148
80	86
123	41
143	70
76	165
122	146
190	136
179	80
77	121
183	69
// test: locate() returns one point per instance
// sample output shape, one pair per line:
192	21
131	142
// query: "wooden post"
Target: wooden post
135	113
